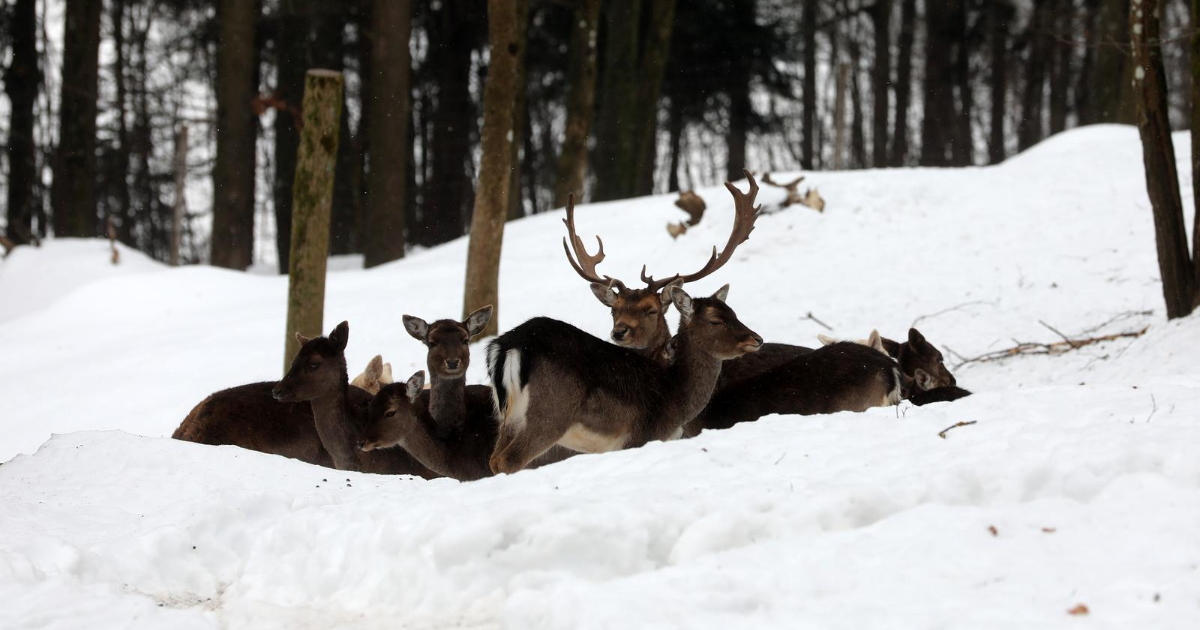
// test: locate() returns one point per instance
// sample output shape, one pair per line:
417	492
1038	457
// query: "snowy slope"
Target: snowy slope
1085	464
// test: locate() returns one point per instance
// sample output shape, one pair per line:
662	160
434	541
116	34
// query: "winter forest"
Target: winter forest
665	313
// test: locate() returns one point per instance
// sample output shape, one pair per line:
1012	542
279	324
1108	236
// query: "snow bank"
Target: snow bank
1077	484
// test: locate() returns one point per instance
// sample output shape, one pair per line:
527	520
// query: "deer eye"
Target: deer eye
651	311
314	365
716	322
390	413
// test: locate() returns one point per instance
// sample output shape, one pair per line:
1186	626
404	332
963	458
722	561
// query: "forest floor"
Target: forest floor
1072	501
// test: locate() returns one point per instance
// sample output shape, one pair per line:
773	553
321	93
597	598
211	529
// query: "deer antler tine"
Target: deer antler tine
745	214
582	262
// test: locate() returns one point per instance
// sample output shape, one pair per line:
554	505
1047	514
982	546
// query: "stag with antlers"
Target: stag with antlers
639	314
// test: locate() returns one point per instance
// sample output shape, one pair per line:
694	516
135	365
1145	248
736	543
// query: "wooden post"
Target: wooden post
181	144
312	196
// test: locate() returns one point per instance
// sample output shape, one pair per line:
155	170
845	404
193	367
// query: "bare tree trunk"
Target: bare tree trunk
881	78
1158	153
1060	77
120	164
233	171
1031	130
999	14
292	60
73	193
616	159
389	121
316	162
908	25
520	114
963	149
581	98
676	133
1110	99
939	119
1195	133
858	140
808	29
21	82
487	222
652	68
839	118
741	110
177	210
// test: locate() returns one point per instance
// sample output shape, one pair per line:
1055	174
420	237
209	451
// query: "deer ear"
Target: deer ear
413	387
416	327
923	379
875	341
385	375
604	293
374	369
916	339
340	336
665	296
478	320
301	339
721	294
682	302
826	339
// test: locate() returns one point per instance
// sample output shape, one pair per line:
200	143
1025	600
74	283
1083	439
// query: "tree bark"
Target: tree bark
858	139
292	60
1158	154
839	118
181	148
908	25
1000	14
312	197
1111	98
881	78
581	100
1060	77
329	52
233	171
487	222
21	83
520	115
676	133
963	149
808	29
651	69
389	120
1031	130
1194	42
615	161
118	177
939	119
453	40
73	192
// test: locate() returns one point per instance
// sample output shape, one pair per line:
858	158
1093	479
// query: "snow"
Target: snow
1085	465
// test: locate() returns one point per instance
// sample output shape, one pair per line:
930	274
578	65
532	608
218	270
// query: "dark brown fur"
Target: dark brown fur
919	354
247	416
939	394
448	358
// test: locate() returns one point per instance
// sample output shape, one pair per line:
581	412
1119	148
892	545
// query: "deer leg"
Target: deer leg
544	423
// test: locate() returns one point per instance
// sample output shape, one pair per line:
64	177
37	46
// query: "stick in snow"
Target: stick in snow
942	433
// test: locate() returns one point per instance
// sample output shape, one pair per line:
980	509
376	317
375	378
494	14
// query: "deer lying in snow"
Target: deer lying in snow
783	373
555	384
921	364
318	376
248	416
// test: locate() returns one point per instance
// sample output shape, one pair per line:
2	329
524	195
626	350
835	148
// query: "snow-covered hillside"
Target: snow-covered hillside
1078	484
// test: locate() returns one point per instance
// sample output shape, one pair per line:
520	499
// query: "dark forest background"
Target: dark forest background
615	98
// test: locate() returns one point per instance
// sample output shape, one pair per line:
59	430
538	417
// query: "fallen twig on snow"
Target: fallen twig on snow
1057	347
826	326
942	433
948	310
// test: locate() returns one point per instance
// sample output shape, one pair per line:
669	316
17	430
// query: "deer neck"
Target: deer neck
693	376
334	426
657	349
427	448
447	403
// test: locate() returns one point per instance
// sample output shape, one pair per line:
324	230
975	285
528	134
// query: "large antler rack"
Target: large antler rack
586	264
745	214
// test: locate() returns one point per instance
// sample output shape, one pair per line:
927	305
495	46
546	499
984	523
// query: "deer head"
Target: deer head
393	413
924	362
639	315
319	367
448	341
712	326
374	377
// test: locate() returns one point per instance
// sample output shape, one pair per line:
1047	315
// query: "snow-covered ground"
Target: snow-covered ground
1078	484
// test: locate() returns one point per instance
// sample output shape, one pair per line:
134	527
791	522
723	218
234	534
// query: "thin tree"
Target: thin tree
615	161
651	67
1000	13
581	98
21	82
908	26
939	118
808	28
1032	129
73	193
389	121
881	79
491	196
233	171
292	61
1158	154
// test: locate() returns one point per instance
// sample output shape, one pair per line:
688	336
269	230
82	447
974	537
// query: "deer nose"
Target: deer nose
452	364
618	334
276	392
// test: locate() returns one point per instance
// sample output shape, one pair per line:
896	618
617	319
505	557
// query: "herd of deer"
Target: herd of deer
556	390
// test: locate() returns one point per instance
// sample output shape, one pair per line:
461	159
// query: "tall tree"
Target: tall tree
1032	128
119	166
233	171
808	27
581	97
73	193
881	79
520	113
963	149
651	67
615	161
21	82
1194	43
938	121
1062	22
453	34
389	121
1111	98
292	61
908	25
741	110
487	222
999	15
1158	153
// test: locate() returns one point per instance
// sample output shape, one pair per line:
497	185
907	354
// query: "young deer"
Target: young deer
920	362
374	377
555	384
448	358
638	324
318	376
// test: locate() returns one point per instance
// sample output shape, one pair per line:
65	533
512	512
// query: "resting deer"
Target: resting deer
318	376
449	356
555	384
639	323
920	362
248	416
